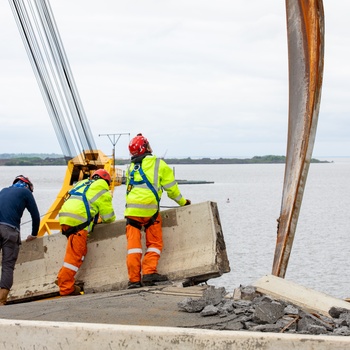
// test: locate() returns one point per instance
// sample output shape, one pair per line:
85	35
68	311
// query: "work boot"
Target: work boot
151	278
3	296
76	291
132	285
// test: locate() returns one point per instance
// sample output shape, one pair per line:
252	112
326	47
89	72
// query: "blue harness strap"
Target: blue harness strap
74	192
144	180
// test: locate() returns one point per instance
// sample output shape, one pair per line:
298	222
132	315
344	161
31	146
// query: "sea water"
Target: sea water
249	201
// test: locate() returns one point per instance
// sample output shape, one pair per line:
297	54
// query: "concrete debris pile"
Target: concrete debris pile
261	313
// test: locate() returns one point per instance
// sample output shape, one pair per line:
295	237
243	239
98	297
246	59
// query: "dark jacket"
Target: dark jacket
13	202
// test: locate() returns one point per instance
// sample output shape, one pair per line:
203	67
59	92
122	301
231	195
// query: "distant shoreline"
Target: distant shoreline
53	159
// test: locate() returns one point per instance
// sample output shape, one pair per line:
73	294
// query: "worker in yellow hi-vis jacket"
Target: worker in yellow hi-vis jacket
146	179
89	200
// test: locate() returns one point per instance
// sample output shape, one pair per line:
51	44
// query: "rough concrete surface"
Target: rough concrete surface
204	307
168	317
148	306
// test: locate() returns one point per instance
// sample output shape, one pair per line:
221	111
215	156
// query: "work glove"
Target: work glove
188	202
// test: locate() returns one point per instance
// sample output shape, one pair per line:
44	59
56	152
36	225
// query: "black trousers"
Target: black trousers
9	244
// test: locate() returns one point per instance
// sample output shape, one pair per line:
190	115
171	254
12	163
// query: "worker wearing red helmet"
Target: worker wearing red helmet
89	200
13	201
146	179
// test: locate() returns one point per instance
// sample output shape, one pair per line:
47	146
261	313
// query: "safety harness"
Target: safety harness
132	183
74	192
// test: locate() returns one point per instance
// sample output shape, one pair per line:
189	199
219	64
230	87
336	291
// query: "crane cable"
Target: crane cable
47	56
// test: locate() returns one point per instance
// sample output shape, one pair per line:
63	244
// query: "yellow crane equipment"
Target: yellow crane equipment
46	53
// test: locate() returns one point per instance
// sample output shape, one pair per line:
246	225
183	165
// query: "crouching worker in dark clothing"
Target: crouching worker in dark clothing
13	201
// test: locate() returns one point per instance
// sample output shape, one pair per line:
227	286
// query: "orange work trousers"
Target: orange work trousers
76	250
154	244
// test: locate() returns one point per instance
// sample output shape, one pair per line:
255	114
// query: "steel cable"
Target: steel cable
52	71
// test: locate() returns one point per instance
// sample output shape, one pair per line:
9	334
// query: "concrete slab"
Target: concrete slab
194	249
147	306
27	335
146	318
306	298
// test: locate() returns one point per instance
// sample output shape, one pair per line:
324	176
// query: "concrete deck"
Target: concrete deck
146	318
110	317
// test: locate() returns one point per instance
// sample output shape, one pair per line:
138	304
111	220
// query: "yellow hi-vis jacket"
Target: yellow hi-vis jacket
99	199
140	200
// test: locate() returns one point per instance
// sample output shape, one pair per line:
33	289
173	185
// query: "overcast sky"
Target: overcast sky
198	78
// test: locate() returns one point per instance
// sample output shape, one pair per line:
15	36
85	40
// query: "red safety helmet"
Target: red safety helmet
101	174
138	145
26	180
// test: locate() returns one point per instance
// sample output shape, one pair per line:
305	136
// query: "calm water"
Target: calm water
320	254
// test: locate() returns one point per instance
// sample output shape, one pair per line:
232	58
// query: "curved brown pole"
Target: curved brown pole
305	28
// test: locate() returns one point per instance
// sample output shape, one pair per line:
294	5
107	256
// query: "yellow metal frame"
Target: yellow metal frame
78	168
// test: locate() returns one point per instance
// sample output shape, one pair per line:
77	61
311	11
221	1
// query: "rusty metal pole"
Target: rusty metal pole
305	29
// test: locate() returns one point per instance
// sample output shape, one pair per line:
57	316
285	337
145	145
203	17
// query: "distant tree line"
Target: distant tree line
269	159
39	159
32	161
29	155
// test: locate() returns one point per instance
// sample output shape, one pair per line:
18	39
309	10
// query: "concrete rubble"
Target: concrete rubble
249	310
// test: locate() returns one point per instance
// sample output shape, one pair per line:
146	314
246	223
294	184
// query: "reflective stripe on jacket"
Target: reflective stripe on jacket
141	201
73	211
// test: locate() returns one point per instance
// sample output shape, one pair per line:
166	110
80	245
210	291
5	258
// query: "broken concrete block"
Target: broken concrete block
287	321
291	310
242	304
209	310
268	312
214	295
315	329
335	312
249	293
308	320
345	331
237	295
104	267
345	319
227	306
192	305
